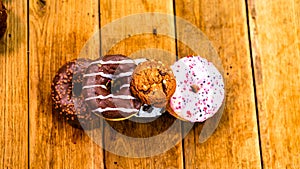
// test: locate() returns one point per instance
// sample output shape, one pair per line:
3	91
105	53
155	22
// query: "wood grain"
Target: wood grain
140	45
275	37
58	31
14	88
235	142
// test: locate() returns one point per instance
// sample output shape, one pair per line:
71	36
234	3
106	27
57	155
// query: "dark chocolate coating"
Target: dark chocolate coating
113	87
3	18
67	99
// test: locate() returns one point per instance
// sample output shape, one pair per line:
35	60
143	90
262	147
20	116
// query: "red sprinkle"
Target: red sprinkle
189	113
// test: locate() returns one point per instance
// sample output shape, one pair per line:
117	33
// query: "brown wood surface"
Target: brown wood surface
235	142
14	88
275	37
58	31
131	45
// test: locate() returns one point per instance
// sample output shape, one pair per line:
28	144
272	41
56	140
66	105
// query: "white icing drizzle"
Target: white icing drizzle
111	96
109	75
138	61
124	85
92	86
113	77
135	61
112	62
125	110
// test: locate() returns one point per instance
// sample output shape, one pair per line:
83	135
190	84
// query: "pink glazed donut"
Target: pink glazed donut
200	89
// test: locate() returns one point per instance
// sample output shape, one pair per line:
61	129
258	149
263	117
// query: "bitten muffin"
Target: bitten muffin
68	102
3	18
153	83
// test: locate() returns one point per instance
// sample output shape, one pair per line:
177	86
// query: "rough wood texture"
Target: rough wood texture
13	88
275	37
137	45
235	142
58	31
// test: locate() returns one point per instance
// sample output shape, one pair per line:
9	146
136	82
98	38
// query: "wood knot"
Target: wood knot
42	3
154	31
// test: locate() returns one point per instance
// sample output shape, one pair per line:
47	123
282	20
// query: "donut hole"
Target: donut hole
77	89
118	84
114	85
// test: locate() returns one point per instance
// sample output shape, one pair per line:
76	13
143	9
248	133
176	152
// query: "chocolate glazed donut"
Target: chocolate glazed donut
3	18
106	87
68	101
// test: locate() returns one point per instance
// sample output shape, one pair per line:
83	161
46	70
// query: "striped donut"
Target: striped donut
200	89
106	87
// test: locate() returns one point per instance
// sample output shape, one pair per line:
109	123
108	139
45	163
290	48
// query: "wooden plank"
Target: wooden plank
235	142
134	46
58	31
275	37
14	88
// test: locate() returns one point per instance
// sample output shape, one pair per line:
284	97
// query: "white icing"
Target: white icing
135	61
125	110
110	96
112	62
92	86
125	85
109	75
196	71
138	61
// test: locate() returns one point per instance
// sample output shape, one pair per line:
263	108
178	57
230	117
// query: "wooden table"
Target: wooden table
258	42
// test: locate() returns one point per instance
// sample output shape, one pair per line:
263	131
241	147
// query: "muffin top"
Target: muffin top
153	83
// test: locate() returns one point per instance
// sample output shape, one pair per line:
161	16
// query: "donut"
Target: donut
3	18
153	83
66	93
199	89
106	87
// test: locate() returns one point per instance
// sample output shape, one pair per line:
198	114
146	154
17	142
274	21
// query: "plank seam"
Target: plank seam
176	47
100	48
99	17
254	81
175	28
28	87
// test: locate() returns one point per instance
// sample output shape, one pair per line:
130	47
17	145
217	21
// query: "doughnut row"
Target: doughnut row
116	88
